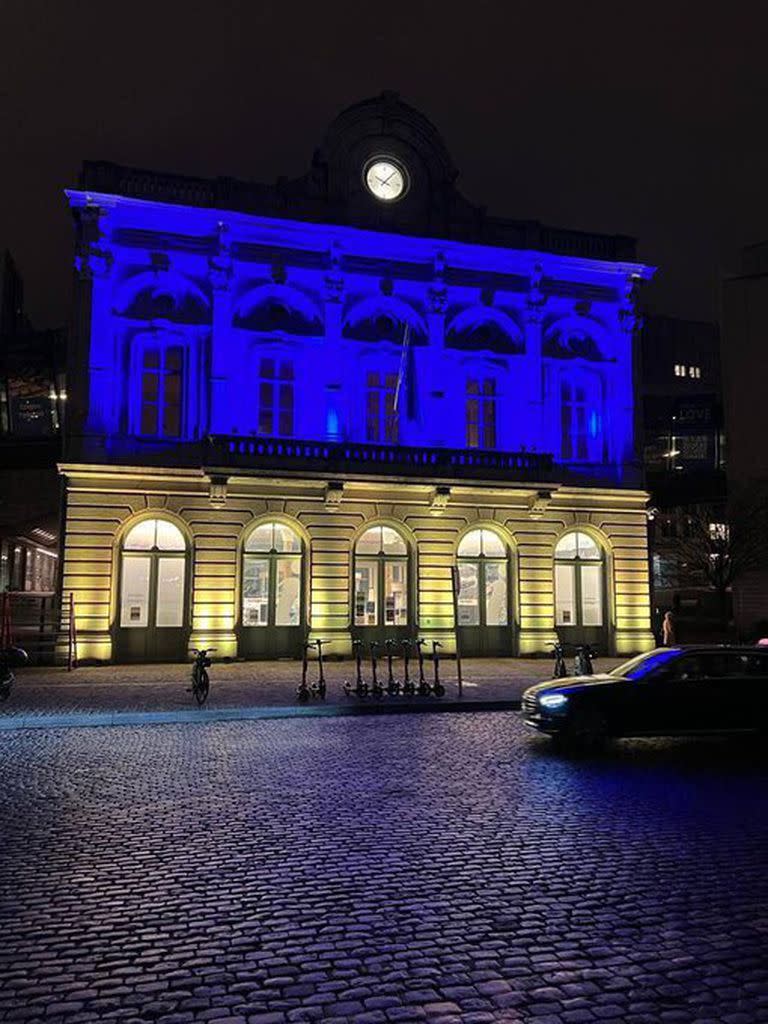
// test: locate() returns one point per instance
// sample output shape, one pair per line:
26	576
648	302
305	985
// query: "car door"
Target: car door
745	697
671	698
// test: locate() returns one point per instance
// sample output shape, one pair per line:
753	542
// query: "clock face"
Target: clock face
385	179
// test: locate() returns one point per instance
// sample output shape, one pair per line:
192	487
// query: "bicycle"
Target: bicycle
201	682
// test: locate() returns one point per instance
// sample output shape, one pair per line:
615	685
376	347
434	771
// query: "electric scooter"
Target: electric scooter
582	664
360	688
393	685
377	690
409	688
423	687
437	687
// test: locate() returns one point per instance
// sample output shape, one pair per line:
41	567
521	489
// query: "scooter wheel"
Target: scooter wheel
303	696
440	690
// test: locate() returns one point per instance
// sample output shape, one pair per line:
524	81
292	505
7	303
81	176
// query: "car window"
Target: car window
748	664
704	665
646	664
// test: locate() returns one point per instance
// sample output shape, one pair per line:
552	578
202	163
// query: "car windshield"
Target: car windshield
643	664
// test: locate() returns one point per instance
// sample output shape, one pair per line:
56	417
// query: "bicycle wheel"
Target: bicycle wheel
201	687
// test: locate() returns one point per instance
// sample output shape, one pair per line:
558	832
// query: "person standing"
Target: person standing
668	630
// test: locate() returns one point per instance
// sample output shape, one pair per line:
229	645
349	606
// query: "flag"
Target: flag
402	371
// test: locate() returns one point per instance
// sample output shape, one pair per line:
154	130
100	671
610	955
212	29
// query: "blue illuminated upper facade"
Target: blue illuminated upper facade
210	326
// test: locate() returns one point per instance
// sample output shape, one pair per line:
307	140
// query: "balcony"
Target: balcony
351	459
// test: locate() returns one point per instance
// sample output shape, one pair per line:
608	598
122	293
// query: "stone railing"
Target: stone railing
340	458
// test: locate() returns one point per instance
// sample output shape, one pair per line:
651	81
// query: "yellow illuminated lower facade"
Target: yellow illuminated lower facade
163	561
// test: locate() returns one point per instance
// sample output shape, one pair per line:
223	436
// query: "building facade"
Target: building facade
745	325
684	448
295	410
32	397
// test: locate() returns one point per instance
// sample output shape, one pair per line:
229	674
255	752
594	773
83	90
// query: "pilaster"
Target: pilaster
220	278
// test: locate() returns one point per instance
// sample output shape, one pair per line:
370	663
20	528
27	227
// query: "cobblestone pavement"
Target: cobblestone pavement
116	688
424	868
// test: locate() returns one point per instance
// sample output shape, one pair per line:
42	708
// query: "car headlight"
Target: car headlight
553	701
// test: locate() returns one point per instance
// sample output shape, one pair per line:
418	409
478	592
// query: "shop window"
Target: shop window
381	578
153	571
579	581
272	577
483	579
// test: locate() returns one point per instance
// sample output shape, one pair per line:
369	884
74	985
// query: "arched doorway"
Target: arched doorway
580	597
272	620
152	622
381	606
485	619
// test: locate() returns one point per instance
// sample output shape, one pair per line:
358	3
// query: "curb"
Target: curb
200	716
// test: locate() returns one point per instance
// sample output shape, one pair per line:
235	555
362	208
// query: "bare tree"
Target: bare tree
715	550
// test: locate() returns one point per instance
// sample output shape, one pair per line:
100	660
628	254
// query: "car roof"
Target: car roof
737	648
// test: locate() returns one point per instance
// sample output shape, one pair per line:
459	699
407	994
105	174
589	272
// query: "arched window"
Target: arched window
153	571
381	578
483	579
579	581
272	573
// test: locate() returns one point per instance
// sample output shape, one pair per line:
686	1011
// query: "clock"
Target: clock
385	179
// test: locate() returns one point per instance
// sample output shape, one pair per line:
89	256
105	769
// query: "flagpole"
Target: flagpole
401	371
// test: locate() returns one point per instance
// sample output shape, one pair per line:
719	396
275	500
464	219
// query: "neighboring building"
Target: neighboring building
684	455
745	330
295	408
32	393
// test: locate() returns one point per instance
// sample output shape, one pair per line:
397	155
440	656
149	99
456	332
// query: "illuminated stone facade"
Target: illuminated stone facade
331	396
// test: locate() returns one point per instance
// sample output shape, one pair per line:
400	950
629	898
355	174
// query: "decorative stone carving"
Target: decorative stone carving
536	298
92	258
220	264
334	279
439	500
218	491
539	504
629	318
438	293
334	492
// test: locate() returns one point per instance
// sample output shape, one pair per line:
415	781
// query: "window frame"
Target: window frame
153	556
382	560
273	556
578	564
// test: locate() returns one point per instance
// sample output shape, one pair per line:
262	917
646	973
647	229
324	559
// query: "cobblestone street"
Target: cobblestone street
437	868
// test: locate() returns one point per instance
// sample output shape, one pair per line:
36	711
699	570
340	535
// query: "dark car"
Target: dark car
669	691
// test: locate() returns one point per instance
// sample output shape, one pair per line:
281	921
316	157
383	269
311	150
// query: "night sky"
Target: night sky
642	119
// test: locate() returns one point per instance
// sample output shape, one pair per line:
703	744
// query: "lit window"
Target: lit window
579	582
381	423
161	391
381	578
718	531
580	419
481	413
275	398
